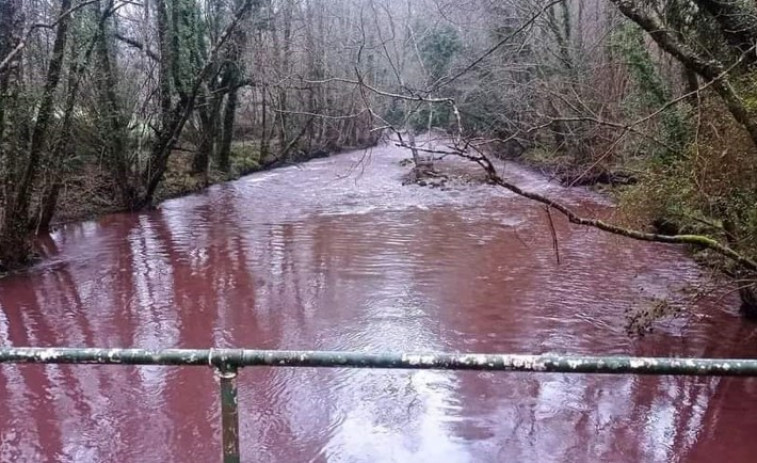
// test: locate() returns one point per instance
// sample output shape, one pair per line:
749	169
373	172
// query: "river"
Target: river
336	254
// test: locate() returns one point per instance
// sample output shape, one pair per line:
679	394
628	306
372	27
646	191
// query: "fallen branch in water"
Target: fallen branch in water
696	240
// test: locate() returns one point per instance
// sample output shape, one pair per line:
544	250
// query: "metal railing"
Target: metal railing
228	361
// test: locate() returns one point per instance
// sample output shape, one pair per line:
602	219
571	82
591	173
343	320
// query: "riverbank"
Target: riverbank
569	171
88	196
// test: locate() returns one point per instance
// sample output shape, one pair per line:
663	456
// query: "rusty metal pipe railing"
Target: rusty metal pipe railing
227	362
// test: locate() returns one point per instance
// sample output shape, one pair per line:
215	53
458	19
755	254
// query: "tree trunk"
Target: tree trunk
114	125
15	243
264	138
164	72
172	117
8	41
232	80
211	96
413	148
10	27
62	150
48	205
44	117
206	146
209	111
281	50
692	86
229	114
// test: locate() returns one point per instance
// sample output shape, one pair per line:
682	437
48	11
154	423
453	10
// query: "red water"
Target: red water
336	254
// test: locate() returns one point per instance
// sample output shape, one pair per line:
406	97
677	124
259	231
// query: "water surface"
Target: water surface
335	254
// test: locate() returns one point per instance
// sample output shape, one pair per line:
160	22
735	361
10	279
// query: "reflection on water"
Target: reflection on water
336	255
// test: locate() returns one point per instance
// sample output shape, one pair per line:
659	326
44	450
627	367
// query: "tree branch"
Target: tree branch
711	70
696	240
7	60
137	44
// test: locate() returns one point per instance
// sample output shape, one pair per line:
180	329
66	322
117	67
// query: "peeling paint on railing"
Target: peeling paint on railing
239	358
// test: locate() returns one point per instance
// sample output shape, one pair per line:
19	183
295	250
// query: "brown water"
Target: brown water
335	254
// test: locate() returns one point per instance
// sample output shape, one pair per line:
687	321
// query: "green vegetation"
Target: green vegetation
650	92
245	158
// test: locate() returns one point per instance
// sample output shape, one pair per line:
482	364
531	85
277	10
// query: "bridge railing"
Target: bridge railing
227	362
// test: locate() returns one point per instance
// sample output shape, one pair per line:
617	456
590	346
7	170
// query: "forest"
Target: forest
115	105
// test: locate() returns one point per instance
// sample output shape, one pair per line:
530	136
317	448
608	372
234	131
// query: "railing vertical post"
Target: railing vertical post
229	414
